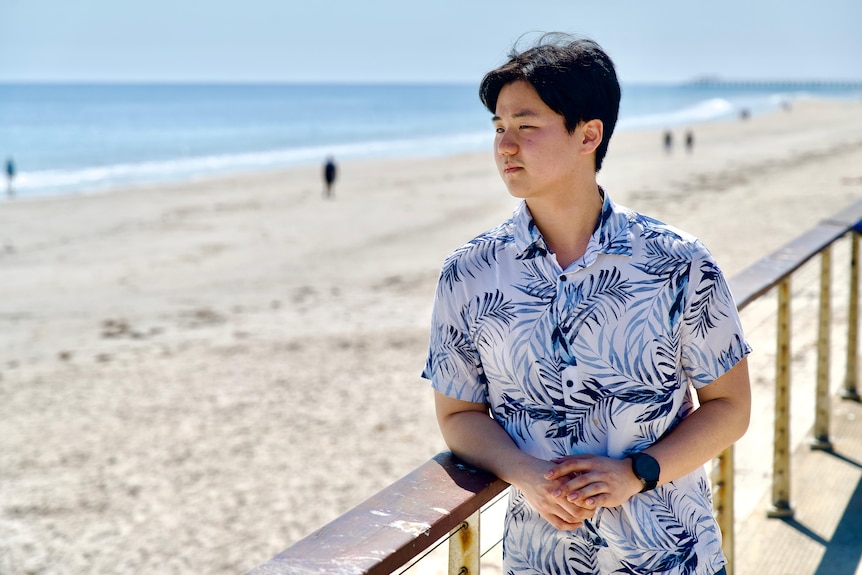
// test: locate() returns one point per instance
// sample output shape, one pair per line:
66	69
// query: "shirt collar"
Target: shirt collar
612	235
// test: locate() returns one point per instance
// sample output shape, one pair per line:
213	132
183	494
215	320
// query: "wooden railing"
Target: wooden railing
776	271
386	531
444	498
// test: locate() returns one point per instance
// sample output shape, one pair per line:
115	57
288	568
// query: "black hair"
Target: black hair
573	76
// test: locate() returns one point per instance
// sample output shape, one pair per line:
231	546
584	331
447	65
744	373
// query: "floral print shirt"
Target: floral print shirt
598	358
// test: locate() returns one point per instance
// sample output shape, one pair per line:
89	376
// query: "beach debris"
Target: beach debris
302	293
201	317
118	328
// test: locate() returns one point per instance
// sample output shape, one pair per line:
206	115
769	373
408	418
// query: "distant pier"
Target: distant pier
775	83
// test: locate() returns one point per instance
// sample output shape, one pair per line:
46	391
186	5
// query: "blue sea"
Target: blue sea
76	138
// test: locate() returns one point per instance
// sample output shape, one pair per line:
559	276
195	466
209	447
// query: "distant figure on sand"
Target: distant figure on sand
10	175
329	174
668	141
689	141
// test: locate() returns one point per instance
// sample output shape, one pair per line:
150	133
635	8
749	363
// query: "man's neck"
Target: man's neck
567	222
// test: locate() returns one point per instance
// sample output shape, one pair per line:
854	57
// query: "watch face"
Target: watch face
646	467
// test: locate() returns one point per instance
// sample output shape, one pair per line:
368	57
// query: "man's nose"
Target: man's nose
506	145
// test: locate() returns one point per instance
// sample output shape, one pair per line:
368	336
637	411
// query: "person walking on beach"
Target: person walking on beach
329	174
10	175
583	328
668	141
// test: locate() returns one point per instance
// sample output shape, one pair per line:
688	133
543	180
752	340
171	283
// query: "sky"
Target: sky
430	41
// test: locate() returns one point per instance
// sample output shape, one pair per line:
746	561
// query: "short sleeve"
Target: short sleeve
712	338
453	365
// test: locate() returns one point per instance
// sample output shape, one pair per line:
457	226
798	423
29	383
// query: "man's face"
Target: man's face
535	153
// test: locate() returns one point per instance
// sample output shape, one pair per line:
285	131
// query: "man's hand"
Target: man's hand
544	496
591	481
475	437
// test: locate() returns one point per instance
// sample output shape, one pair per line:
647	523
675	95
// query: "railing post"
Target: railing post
781	441
850	391
464	547
822	406
723	503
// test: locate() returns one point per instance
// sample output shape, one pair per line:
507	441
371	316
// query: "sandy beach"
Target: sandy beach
193	376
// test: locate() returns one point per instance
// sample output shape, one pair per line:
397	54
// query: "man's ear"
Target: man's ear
592	133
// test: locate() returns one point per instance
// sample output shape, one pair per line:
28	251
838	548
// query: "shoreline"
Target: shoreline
676	121
195	375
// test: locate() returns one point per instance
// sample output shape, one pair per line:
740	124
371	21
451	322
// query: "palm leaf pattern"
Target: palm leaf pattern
594	301
710	301
519	417
589	415
672	549
477	254
490	313
451	350
562	555
536	285
599	358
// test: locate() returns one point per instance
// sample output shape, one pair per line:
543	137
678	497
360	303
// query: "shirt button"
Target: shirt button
570	383
563	278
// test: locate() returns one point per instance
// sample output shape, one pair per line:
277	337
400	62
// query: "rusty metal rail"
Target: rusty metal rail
445	498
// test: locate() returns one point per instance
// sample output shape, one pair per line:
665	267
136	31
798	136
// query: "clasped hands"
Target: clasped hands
570	491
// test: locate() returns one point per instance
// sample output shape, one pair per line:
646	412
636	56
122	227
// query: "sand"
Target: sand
193	376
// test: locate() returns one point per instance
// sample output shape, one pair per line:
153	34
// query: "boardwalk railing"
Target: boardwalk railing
443	499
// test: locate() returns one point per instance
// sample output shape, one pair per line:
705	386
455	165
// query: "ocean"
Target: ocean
67	139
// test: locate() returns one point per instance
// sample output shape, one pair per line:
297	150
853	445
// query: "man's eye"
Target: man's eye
499	130
525	127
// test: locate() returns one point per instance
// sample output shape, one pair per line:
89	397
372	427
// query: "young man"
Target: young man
582	326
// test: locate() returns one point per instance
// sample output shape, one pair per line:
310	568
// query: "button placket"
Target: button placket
569	375
570	378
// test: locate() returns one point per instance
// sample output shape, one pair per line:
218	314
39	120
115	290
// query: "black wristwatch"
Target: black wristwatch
647	469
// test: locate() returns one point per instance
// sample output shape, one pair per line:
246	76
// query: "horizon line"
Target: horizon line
696	81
